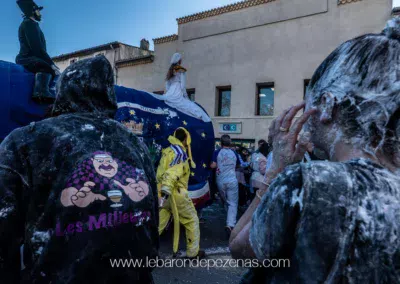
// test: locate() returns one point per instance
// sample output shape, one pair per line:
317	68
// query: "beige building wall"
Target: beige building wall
109	54
282	42
113	55
149	77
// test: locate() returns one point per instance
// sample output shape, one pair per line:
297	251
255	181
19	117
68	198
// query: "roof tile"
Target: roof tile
222	10
135	61
90	50
165	39
342	2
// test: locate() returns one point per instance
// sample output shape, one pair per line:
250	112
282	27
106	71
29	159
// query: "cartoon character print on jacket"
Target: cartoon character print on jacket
116	178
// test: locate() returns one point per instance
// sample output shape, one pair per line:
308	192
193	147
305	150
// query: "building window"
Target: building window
72	61
191	94
306	83
265	99
224	101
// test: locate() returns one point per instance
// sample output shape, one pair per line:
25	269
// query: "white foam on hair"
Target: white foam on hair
354	75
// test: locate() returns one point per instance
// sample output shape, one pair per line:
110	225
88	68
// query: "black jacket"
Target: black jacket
32	44
77	190
328	222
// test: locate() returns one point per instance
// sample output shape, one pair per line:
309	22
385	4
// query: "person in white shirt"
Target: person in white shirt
176	95
225	160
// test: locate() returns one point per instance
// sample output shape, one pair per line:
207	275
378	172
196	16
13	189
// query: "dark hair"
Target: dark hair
225	140
262	141
362	77
264	149
241	149
180	134
170	72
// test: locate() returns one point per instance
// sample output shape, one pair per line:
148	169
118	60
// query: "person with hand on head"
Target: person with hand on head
337	220
176	95
176	74
173	180
33	52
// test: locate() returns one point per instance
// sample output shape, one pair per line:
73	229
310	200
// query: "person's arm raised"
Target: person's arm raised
287	149
239	244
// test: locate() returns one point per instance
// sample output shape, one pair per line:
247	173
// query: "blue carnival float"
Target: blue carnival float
148	116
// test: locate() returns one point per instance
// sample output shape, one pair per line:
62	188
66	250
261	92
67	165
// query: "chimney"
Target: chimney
144	44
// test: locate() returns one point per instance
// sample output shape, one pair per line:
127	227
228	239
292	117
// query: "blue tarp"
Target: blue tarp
16	107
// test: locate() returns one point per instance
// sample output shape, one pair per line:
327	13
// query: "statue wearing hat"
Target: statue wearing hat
33	55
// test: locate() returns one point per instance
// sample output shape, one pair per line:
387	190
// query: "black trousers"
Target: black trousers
36	65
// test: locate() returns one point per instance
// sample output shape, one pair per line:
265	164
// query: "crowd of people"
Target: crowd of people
238	175
78	188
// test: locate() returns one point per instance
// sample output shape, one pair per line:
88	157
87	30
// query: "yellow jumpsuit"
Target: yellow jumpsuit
172	178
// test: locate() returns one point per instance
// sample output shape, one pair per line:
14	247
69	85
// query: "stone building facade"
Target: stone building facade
116	52
250	60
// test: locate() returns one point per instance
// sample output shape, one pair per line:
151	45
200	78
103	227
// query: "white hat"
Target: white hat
175	58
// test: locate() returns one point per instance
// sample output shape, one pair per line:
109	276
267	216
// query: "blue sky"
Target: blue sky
70	25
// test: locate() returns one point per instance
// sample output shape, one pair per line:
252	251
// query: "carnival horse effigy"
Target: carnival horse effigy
149	117
145	114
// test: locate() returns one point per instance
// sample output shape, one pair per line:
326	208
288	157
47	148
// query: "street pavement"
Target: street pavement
215	243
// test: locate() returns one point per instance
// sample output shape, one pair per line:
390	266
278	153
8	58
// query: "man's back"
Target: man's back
173	170
77	190
88	195
226	160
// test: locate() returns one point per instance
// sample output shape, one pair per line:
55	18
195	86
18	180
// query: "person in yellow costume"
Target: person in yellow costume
172	179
